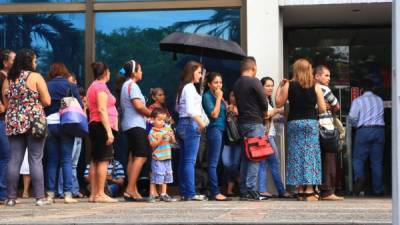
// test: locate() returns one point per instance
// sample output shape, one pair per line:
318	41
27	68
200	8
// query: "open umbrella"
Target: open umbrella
202	45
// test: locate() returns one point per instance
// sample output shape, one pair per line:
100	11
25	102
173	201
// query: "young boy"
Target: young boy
160	138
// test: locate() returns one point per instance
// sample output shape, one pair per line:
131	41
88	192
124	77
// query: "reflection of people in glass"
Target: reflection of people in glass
322	77
304	155
366	114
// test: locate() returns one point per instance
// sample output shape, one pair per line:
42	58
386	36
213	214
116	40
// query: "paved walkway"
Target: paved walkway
350	211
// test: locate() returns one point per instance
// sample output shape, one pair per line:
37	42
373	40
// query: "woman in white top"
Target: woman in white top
273	160
190	125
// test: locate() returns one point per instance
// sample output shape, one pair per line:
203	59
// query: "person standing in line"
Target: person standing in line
231	154
161	138
6	61
59	145
273	160
133	124
323	77
366	115
252	106
25	95
103	128
304	155
214	107
190	126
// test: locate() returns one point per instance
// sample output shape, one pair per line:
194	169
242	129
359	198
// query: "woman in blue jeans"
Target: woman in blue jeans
273	160
59	145
190	125
214	107
231	152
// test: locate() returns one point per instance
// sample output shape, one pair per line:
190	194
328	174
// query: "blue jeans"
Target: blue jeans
231	160
369	142
249	169
76	152
214	142
273	162
59	154
189	140
4	158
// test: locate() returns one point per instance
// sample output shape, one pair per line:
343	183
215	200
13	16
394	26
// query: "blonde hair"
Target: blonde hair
303	73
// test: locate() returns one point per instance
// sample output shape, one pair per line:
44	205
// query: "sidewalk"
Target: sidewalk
350	211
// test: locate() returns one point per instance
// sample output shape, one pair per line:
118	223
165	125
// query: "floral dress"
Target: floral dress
24	106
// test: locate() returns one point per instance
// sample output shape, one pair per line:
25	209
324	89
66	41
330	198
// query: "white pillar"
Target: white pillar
265	37
395	112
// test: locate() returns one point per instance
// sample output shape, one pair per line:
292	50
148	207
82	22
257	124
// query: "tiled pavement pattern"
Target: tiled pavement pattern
350	211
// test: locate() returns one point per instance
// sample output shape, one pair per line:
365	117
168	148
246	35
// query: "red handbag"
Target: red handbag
257	148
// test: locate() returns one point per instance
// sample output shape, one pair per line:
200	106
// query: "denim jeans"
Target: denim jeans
18	144
231	155
189	140
4	158
76	152
273	162
59	154
369	143
249	169
214	143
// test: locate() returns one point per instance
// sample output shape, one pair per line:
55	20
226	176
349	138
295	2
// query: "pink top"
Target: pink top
95	88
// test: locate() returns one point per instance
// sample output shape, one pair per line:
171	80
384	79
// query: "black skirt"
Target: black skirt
98	138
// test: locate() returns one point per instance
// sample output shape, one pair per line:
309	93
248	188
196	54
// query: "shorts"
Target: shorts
137	142
161	172
98	138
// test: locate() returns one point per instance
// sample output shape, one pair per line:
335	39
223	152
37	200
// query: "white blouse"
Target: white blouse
189	104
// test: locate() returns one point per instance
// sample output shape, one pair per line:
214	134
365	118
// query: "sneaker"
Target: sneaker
151	199
68	198
252	196
10	202
42	202
195	198
50	197
167	198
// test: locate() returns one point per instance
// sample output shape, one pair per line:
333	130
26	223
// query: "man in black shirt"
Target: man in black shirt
252	103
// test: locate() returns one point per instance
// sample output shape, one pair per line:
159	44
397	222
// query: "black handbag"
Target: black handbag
329	139
232	130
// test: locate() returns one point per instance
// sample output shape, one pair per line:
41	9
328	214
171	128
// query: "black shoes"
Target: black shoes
252	196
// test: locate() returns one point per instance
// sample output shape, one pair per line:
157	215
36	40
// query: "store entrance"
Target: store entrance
351	54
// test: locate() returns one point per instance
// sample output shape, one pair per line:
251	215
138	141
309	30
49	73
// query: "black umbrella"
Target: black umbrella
202	45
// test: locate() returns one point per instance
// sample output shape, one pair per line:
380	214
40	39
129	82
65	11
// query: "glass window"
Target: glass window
37	1
121	36
54	37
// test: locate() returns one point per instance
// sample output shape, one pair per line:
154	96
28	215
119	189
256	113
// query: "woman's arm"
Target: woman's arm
140	107
217	107
4	102
282	93
320	99
41	87
101	99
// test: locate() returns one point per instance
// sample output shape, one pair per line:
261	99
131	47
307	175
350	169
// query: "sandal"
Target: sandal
310	197
300	196
129	198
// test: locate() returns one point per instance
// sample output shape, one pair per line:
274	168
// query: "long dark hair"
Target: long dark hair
263	81
23	61
187	76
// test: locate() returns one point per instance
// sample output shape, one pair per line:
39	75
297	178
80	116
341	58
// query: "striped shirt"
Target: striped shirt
326	119
163	150
117	172
366	110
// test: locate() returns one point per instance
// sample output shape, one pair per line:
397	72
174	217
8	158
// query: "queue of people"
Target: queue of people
30	106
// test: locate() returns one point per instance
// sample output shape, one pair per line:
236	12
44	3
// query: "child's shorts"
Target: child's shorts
161	172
